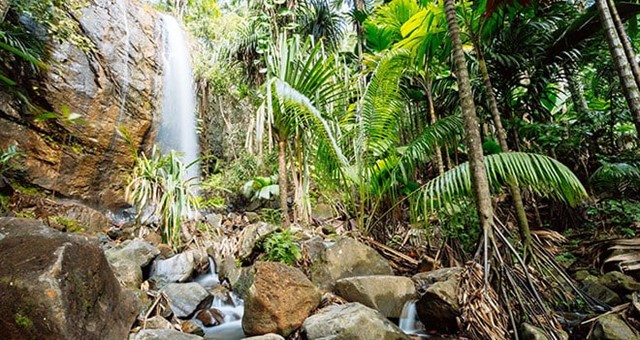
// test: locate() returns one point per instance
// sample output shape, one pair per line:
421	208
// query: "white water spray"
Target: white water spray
178	124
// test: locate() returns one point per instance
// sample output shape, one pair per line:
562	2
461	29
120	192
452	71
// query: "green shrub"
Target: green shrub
282	247
160	183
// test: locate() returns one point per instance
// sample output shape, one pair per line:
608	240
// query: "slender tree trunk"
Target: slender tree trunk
359	5
626	43
433	118
516	195
480	183
577	93
629	85
282	181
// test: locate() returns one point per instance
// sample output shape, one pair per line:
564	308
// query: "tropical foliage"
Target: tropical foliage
161	193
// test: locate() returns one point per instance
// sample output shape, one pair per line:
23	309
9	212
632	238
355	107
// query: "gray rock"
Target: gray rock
157	322
314	246
137	251
352	321
386	294
347	258
127	260
598	291
252	235
57	285
177	268
531	332
269	336
164	334
611	327
186	298
322	212
619	282
214	220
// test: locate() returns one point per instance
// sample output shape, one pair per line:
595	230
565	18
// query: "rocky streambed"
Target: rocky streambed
64	285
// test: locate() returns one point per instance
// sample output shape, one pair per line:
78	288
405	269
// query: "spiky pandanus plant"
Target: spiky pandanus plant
159	185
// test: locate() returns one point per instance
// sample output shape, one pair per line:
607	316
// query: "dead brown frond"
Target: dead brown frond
482	315
550	240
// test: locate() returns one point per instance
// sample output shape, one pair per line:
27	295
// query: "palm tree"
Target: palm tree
299	89
621	61
479	180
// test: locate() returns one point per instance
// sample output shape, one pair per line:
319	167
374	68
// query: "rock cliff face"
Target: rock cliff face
118	84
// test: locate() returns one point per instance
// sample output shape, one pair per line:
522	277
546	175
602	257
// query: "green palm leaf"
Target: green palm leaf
541	174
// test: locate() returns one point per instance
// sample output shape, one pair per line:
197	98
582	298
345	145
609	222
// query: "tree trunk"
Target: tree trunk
282	181
433	119
629	85
577	93
626	43
516	195
480	183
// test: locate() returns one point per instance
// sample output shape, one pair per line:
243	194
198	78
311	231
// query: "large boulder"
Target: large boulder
352	321
116	84
611	327
187	298
347	258
279	300
58	286
438	307
600	292
619	283
386	294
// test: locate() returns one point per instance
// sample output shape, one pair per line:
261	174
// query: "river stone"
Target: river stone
191	327
137	251
186	298
438	307
164	334
127	260
600	292
269	336
210	317
347	258
279	300
531	332
352	321
251	237
619	282
174	269
157	322
386	294
611	327
116	84
56	285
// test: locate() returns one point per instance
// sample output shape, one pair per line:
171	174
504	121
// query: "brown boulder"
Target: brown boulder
279	300
58	286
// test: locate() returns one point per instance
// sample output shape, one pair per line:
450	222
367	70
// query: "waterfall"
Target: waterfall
178	124
409	322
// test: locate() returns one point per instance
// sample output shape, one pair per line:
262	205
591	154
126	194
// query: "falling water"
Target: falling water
125	58
178	125
409	322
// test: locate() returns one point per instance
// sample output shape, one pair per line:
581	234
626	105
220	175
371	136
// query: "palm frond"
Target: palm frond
541	174
617	176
